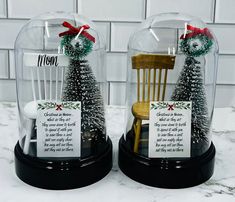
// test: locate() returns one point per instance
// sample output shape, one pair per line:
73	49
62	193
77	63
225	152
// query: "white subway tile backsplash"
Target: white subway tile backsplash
104	29
31	8
225	11
3	64
120	34
12	64
11	90
226	71
200	8
225	36
121	18
225	96
3	12
116	66
117	10
8	32
117	93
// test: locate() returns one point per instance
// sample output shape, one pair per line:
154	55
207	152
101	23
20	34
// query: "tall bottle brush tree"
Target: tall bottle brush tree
81	84
190	85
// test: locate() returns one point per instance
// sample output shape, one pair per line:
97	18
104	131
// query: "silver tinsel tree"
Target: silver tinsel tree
81	85
190	87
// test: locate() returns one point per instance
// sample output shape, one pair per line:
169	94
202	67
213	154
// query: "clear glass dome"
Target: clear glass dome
61	87
172	60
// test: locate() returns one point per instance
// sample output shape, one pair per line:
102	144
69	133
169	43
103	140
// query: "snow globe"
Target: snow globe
172	67
61	96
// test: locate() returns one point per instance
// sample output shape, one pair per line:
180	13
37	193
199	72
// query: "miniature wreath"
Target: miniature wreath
79	50
196	46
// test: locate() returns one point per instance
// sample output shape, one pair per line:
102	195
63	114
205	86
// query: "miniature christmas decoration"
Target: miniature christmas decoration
81	84
190	86
61	95
172	70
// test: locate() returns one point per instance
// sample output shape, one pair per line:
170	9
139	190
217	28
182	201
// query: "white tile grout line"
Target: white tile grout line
8	63
117	21
20	19
124	82
125	52
109	42
6	79
7	12
119	51
76	6
107	21
214	10
109	97
145	8
124	22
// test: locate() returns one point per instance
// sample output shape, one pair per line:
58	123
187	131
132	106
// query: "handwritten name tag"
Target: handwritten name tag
45	60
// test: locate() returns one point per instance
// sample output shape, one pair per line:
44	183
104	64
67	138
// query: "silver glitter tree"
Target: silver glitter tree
82	86
190	87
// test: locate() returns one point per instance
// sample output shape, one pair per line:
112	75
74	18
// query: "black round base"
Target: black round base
166	173
67	174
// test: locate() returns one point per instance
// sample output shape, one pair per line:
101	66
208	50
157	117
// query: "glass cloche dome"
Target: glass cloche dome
61	95
172	67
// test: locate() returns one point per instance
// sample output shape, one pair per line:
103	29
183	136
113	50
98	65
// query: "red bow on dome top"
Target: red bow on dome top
196	31
74	30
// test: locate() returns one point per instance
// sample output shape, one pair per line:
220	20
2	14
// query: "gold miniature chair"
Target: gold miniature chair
148	63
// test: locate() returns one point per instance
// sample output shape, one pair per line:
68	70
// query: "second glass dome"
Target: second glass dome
172	57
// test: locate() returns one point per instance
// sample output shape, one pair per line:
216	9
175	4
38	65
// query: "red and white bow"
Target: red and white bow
77	30
194	31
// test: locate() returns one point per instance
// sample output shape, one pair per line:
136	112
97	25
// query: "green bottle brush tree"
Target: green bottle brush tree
190	86
81	85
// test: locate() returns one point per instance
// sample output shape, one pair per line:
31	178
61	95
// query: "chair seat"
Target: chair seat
140	110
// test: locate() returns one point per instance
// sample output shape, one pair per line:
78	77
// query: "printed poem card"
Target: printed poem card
59	129
170	129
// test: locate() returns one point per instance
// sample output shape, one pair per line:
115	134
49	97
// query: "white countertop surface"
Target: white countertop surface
116	186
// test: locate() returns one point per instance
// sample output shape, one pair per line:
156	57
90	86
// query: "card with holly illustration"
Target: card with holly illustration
169	129
59	129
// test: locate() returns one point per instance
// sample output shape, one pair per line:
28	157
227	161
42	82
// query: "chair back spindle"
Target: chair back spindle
148	63
138	85
48	89
39	85
149	84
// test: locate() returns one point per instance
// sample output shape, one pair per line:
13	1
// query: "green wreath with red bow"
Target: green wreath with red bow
196	42
82	45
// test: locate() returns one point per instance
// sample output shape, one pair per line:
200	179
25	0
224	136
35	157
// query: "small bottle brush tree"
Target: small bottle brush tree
190	86
81	85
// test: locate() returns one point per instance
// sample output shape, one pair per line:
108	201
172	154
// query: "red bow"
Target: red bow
170	107
58	107
195	31
74	30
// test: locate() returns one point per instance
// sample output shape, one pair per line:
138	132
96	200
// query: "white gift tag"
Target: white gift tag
59	129
45	60
170	129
